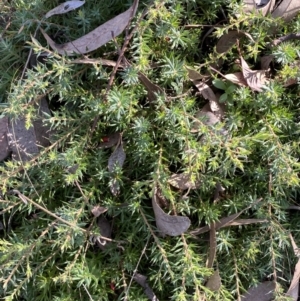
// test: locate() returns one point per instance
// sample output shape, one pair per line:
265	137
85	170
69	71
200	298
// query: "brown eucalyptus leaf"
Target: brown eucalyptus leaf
64	8
261	292
255	79
110	140
265	61
214	282
237	78
105	230
4	146
151	88
183	181
142	281
172	225
42	132
98	210
228	40
287	10
21	141
260	6
96	38
116	158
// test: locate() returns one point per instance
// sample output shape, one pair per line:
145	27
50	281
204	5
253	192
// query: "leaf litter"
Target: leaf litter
167	224
96	38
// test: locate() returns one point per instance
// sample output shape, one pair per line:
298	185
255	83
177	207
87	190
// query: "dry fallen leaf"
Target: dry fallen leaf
215	107
98	210
21	141
212	246
261	292
105	231
195	75
4	146
64	8
228	40
42	131
287	10
263	6
110	140
183	181
214	282
151	88
116	160
293	290
142	281
172	225
265	61
96	38
237	78
255	79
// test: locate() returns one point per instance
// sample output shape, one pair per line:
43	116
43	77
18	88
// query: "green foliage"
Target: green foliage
47	250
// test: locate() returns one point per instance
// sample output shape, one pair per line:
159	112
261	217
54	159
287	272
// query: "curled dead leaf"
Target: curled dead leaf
172	225
96	38
237	78
64	8
105	230
254	78
183	181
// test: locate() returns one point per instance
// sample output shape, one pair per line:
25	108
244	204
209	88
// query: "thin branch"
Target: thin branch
288	37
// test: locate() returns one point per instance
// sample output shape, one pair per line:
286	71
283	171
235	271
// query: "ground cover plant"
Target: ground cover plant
149	150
